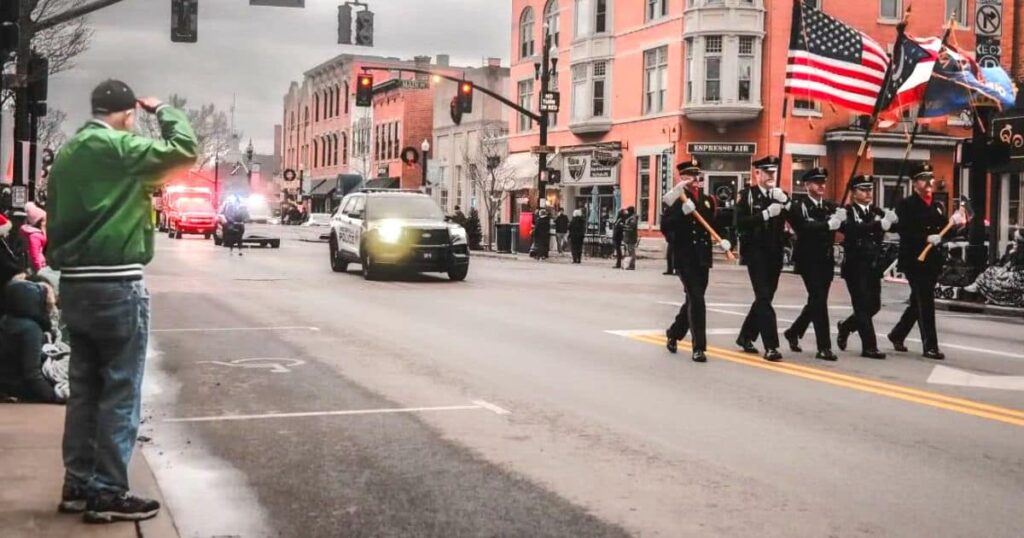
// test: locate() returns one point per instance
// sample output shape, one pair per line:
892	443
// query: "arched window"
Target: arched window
345	86
316	106
344	147
316	153
551	20
526	33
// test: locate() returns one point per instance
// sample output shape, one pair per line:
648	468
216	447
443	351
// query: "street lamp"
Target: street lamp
425	147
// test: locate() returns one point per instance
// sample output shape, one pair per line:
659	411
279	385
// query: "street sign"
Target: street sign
988	18
550	102
542	149
19	196
988	51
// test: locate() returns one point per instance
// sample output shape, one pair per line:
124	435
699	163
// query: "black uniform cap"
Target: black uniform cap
691	167
112	96
816	175
922	171
769	163
863	182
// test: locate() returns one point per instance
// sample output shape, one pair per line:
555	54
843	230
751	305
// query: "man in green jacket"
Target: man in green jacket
100	238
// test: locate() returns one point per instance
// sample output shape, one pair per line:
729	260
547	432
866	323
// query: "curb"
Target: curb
979	308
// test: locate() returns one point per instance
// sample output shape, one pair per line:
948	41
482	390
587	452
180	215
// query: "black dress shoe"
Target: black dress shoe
826	355
772	355
668	273
671	345
844	336
898	345
699	356
794	342
746	345
934	354
872	354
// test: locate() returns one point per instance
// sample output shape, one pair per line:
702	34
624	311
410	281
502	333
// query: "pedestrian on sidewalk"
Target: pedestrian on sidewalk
561	230
10	267
541	234
100	238
620	221
630	236
34	234
577	233
22	331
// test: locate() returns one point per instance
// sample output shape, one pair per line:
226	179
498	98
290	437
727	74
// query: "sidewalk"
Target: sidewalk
31	474
978	308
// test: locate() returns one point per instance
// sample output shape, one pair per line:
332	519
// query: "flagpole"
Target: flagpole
920	112
900	35
782	137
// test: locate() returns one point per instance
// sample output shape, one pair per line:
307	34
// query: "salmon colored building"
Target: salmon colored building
647	83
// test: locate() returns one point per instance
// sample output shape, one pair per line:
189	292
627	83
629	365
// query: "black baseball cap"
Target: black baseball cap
112	96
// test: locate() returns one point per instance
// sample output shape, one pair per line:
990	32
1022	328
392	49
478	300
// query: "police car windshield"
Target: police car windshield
402	207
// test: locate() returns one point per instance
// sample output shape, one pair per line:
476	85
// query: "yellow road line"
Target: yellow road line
899	392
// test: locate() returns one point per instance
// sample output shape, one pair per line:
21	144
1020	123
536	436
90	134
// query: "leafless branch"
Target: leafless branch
487	179
212	128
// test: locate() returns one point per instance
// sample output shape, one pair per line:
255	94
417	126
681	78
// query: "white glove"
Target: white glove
779	196
890	217
689	207
773	210
840	214
62	391
958	219
674	193
834	223
725	245
935	239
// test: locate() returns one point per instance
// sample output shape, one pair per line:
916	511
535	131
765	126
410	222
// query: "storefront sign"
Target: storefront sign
1008	140
583	169
720	148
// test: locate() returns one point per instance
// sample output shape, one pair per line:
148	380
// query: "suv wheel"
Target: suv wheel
369	271
337	265
458	273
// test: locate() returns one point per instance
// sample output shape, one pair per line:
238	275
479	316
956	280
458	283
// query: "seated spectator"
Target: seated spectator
24	372
10	267
1003	284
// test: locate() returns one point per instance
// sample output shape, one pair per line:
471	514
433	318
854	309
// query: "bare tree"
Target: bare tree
488	174
62	43
51	129
212	128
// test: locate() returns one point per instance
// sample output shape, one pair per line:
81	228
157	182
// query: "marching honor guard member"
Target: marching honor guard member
863	231
919	220
691	250
815	221
760	223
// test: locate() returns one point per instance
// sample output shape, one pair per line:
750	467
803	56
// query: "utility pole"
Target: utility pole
542	155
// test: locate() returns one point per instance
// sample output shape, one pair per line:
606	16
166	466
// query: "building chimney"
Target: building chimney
443	60
494	62
421	62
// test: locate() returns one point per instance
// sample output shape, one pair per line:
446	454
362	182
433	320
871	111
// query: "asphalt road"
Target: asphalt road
535	399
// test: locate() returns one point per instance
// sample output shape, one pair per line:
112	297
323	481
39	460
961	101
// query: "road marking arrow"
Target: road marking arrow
944	375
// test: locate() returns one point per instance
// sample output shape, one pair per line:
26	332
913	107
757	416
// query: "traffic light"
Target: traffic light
344	24
466	97
184	21
554	176
364	90
9	13
364	28
38	78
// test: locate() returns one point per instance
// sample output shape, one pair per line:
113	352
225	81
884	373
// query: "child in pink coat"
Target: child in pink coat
34	232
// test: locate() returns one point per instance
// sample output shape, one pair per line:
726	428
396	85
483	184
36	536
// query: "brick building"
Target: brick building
659	81
325	135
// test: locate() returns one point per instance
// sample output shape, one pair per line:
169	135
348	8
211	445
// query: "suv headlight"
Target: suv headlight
458	234
389	232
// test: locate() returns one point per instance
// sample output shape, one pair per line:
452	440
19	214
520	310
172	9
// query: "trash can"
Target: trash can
505	233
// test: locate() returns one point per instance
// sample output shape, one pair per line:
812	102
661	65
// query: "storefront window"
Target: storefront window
801	164
643	187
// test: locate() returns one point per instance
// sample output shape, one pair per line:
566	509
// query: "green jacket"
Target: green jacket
99	205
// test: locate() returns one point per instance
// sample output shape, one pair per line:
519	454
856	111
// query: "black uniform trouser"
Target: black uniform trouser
764	277
693	314
865	288
576	243
817	281
618	253
669	259
921	310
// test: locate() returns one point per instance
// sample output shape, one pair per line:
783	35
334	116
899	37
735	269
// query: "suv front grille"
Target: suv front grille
426	238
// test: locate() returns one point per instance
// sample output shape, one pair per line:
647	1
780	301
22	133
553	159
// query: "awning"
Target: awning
323	188
521	169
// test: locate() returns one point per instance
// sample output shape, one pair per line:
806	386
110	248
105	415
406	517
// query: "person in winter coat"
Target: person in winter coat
235	217
577	232
22	329
630	236
561	230
10	267
33	232
541	234
620	221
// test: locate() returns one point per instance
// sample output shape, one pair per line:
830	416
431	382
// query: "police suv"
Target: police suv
398	229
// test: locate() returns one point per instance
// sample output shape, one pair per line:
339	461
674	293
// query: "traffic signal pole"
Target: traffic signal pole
542	155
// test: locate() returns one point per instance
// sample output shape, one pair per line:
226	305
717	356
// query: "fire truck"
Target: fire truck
186	209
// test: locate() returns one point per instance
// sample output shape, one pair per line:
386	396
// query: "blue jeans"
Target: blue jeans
109	326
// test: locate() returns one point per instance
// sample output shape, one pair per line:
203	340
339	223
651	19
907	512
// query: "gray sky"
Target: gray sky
255	52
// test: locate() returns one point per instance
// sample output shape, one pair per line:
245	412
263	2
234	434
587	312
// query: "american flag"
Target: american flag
830	61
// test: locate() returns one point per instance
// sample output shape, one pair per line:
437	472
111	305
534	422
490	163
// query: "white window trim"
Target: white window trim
882	19
588	90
